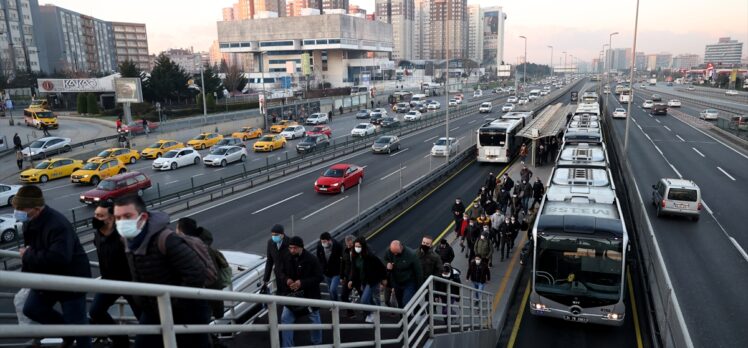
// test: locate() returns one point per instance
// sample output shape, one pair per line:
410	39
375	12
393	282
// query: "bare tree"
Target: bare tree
235	80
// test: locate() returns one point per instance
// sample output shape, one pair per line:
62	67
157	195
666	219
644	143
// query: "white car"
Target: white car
477	93
648	104
673	103
709	114
485	108
619	113
317	118
293	132
383	111
544	92
440	147
691	88
459	99
7	192
413	116
434	105
512	99
507	107
363	129
246	276
225	155
10	229
47	146
177	158
452	102
731	92
523	100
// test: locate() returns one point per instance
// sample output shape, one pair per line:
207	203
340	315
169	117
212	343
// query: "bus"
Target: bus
625	96
589	97
399	97
524	116
497	141
534	94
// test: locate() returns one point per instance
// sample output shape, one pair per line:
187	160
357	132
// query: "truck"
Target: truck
652	82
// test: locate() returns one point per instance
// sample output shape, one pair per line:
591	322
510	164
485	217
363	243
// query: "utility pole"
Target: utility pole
631	101
524	65
446	54
551	47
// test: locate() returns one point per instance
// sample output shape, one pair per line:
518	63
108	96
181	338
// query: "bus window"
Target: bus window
492	138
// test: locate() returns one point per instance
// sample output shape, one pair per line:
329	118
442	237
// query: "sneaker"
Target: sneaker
369	318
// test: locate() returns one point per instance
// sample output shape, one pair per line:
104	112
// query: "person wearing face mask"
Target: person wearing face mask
513	231
405	271
367	273
302	274
525	194
537	193
505	233
458	209
276	250
450	274
157	255
463	231
329	255
490	183
473	234
345	271
110	249
496	220
479	274
51	246
445	252
431	263
483	246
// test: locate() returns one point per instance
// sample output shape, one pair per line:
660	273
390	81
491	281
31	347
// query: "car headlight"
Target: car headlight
83	197
96	199
539	307
614	316
315	182
85	176
336	184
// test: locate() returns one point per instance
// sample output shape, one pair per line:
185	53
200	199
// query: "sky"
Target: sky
579	27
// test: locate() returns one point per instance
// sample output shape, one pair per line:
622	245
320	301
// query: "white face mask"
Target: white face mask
129	228
477	262
357	250
445	275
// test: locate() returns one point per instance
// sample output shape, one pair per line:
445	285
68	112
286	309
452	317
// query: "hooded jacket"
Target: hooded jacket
331	266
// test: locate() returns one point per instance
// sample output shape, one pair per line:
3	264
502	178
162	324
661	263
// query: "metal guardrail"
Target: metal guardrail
702	102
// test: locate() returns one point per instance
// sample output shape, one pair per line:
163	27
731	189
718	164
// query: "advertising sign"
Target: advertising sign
306	66
73	85
504	70
127	90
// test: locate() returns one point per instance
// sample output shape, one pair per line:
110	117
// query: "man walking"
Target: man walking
483	246
405	271
537	192
301	274
431	263
276	249
445	251
17	142
329	255
457	210
506	239
345	270
51	246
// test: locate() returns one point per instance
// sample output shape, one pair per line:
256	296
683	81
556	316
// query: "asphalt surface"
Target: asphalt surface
706	260
69	128
705	94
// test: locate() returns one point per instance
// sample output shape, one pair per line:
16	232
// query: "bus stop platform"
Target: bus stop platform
549	123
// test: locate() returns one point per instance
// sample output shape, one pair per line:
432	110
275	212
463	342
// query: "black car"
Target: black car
390	122
402	107
376	118
656	97
420	107
365	113
659	109
313	143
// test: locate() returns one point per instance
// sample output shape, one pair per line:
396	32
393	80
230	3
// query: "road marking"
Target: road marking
218	170
196	175
323	208
454	129
427	155
634	310
675	170
518	321
429	139
697	151
681	139
740	249
391	174
56	187
715	139
256	159
658	121
724	172
400	151
473	121
658	149
279	202
668	128
171	182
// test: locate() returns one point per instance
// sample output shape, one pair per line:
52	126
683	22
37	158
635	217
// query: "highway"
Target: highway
706	260
709	95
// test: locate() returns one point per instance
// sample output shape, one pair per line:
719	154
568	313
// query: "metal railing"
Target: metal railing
466	310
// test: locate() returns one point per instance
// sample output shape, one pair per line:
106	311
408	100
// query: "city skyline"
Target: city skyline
686	28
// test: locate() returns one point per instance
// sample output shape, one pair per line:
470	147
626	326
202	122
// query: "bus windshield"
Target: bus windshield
492	138
45	114
570	268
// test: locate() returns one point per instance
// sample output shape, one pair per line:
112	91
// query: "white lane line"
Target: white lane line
391	174
724	232
400	151
668	128
675	170
658	149
429	139
454	129
279	202
171	182
740	249
724	172
56	187
699	152
681	139
256	159
218	170
473	121
196	175
715	139
323	208
427	155
658	121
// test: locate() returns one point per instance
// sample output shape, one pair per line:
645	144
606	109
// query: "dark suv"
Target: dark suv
659	109
312	143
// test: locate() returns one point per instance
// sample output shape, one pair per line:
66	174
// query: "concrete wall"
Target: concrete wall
476	339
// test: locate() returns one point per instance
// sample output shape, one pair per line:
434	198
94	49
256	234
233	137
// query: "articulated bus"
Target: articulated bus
524	116
589	97
498	141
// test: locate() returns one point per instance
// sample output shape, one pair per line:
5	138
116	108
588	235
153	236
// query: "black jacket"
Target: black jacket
490	183
431	263
480	274
304	267
374	271
17	141
345	263
446	253
458	208
490	207
508	184
274	258
53	247
331	267
111	253
537	189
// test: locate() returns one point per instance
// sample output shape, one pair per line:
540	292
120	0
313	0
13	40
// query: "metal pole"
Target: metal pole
551	47
610	66
358	202
631	101
524	66
202	89
401	174
264	96
446	54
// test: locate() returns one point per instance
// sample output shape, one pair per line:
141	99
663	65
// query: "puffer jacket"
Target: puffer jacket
483	248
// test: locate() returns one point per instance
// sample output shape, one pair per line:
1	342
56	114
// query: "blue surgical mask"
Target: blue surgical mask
276	239
21	216
128	228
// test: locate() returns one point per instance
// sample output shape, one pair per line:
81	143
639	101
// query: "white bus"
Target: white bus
589	98
524	116
625	96
498	141
534	94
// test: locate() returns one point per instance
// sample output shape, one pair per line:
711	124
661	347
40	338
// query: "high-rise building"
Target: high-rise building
493	36
725	51
355	9
20	37
686	61
335	4
641	61
399	13
421	30
228	13
131	43
659	61
618	58
475	33
452	15
187	59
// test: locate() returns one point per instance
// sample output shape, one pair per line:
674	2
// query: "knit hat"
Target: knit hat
296	241
325	236
277	228
28	196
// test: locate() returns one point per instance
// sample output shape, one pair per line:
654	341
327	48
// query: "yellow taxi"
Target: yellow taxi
280	126
160	147
51	169
247	133
93	172
269	143
124	155
204	140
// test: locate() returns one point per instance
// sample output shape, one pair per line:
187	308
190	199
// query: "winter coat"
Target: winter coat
525	174
464	228
538	190
525	190
480	274
304	267
490	207
458	209
508	184
483	248
490	183
330	267
407	267
53	248
483	220
445	252
111	254
345	263
17	141
374	271
275	256
431	263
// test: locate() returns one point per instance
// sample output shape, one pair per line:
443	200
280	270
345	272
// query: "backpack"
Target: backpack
200	248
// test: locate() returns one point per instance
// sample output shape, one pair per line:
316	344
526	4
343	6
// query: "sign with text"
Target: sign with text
74	85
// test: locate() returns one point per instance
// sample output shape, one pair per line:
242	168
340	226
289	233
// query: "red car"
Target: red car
338	178
117	186
136	127
320	130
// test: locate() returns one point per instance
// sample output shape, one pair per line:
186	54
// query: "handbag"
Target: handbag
298	311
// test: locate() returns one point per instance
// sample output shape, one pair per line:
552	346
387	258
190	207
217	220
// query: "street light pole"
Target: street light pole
604	78
524	66
446	85
564	52
631	100
202	89
264	96
551	47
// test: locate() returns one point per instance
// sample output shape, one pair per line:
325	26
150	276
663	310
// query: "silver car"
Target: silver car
386	144
709	114
44	147
224	155
677	197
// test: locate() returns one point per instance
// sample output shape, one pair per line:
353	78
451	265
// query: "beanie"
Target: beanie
296	241
28	196
277	228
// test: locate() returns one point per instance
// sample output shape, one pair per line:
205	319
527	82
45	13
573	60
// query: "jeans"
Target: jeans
287	317
39	307
99	314
370	295
526	203
478	286
184	312
333	283
404	292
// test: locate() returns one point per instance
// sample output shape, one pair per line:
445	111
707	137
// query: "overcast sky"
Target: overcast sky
579	27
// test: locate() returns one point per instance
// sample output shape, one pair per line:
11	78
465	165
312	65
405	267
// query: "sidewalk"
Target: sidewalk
504	275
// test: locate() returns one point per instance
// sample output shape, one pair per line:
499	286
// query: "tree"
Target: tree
235	80
82	102
468	65
223	68
168	80
212	81
128	69
92	106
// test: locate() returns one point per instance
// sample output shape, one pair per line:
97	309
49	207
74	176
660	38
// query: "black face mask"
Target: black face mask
425	248
97	224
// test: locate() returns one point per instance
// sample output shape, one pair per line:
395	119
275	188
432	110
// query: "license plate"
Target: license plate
575	319
75	180
323	188
681	205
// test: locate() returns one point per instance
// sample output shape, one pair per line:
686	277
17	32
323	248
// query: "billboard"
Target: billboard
491	23
306	67
74	85
504	71
128	90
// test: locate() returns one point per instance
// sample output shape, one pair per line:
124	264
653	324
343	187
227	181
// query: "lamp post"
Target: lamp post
610	47
524	66
604	79
446	86
551	47
202	90
564	52
631	100
264	95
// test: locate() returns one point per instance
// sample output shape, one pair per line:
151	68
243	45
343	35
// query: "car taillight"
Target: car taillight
662	204
700	206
